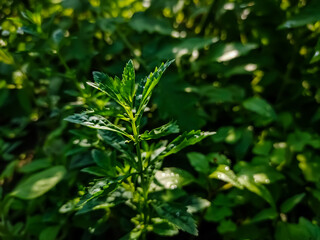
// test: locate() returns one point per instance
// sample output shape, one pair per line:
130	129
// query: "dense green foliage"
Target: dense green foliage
246	69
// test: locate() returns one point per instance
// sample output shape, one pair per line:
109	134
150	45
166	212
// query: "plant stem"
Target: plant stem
144	184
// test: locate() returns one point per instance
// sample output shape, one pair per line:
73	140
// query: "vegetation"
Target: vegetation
247	71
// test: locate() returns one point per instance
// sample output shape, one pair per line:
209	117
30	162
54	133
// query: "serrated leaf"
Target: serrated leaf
184	140
117	142
159	132
178	216
39	183
96	122
290	203
224	173
109	86
128	82
146	86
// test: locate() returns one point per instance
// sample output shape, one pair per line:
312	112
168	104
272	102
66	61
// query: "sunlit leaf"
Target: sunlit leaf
184	140
95	121
172	178
159	132
224	173
164	228
259	189
39	183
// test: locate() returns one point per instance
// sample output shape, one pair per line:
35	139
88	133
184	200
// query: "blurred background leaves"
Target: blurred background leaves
247	69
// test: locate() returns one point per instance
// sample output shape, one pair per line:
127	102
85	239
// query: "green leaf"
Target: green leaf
109	86
217	213
172	178
96	122
290	203
248	182
128	82
39	183
184	140
223	52
142	22
9	170
263	174
224	173
199	162
196	204
49	233
178	216
265	214
104	161
146	86
226	226
6	57
97	171
316	55
308	14
260	106
304	230
164	228
117	142
35	165
159	132
310	167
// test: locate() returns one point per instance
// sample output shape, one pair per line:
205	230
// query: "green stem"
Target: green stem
144	184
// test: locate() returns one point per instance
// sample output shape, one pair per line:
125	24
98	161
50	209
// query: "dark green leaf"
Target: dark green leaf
217	213
178	216
97	171
290	203
308	14
104	161
199	162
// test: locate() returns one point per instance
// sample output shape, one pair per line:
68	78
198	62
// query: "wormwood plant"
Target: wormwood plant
130	177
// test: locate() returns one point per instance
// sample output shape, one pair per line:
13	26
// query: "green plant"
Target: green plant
134	170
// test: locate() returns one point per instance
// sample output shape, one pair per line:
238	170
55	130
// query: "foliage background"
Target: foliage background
246	69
